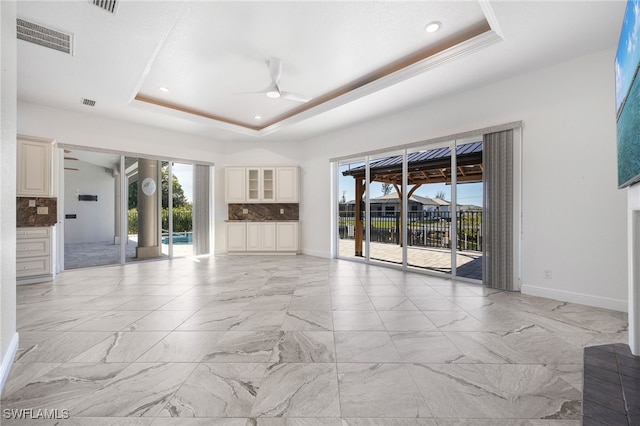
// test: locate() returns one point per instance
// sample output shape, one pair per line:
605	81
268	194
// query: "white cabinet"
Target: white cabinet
287	184
287	236
235	186
34	254
236	236
261	236
260	184
34	166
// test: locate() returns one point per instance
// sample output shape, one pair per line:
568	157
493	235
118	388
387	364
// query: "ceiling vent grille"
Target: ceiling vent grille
43	36
88	102
108	5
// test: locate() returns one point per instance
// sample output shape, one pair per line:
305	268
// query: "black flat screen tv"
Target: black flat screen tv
628	97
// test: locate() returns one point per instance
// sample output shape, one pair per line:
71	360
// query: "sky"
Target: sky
184	173
628	54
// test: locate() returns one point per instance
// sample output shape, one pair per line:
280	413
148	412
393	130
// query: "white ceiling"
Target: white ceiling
213	56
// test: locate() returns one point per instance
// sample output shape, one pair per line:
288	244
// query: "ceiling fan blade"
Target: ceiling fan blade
294	97
275	68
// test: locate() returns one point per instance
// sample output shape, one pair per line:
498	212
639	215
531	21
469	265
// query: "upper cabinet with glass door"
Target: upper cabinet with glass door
261	184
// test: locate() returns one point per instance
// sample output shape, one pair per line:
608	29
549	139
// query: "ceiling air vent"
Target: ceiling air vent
88	102
43	36
108	5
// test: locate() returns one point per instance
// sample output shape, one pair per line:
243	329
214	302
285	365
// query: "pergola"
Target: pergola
424	167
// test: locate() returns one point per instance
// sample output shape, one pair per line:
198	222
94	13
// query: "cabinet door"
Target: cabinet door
236	236
254	236
268	236
234	185
287	184
268	185
253	184
287	236
34	168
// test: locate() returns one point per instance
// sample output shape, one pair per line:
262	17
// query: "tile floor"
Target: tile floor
295	340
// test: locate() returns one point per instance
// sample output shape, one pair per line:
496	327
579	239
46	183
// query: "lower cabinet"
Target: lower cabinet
262	237
34	254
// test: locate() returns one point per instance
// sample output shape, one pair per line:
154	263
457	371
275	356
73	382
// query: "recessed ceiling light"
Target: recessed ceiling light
257	117
273	94
163	89
432	27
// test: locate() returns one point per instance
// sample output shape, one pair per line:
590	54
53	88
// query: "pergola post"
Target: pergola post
358	216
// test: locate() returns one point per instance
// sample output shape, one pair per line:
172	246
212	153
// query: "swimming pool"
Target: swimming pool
181	238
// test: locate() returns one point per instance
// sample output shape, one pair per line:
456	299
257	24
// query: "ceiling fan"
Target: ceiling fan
273	90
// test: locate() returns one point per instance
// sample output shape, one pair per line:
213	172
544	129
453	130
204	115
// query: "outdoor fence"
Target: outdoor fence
424	229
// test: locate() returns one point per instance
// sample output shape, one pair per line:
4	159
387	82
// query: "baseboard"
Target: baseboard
316	253
572	297
7	361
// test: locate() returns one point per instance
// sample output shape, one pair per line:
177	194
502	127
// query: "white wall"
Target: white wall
8	335
95	219
574	217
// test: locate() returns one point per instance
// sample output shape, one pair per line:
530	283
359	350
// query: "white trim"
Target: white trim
572	297
7	360
317	253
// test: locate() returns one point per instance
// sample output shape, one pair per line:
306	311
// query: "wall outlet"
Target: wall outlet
547	274
281	211
43	210
245	211
32	203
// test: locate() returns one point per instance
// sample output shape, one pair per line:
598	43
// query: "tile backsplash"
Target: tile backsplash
264	212
28	215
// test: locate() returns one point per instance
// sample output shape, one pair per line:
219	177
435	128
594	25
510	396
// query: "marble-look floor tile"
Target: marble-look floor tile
145	303
389	422
392	303
23	373
269	303
488	348
384	291
379	390
304	346
308	321
182	346
406	321
60	348
218	390
121	347
82	421
426	347
53	321
62	387
365	346
495	391
310	303
243	346
203	422
186	303
140	390
160	321
454	321
110	321
357	321
298	390
351	303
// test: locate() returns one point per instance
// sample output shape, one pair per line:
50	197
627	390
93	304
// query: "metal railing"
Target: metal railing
424	229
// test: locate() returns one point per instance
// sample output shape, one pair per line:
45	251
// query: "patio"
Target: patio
469	263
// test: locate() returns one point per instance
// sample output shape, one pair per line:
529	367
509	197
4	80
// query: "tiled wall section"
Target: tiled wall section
28	216
264	212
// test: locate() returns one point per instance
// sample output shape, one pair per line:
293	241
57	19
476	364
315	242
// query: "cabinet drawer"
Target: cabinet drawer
32	233
32	266
32	247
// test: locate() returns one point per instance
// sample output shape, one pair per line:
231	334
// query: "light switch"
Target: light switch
43	210
32	203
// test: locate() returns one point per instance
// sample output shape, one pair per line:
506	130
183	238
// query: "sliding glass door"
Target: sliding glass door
422	208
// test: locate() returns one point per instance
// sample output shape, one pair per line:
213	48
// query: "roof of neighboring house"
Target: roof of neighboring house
393	197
